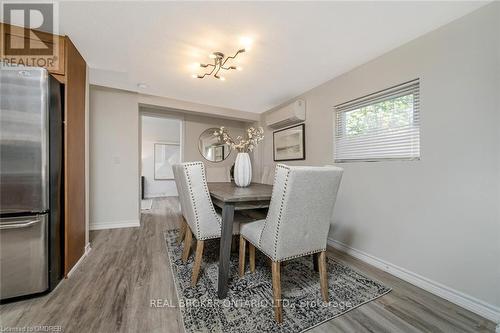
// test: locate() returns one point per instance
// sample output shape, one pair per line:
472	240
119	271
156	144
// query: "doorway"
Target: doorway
161	147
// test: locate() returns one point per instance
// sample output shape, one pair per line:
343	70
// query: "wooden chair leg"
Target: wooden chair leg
187	244
182	232
323	275
278	310
241	267
197	262
234	244
251	251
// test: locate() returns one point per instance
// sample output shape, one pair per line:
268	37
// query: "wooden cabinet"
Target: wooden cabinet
16	39
68	66
74	155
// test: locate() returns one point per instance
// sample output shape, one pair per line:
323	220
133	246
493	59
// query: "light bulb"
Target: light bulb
239	68
246	42
222	78
194	76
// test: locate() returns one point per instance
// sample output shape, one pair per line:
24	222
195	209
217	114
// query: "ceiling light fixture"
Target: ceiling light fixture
246	42
219	64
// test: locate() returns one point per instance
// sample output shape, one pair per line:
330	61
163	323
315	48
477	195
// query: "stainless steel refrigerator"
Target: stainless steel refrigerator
31	182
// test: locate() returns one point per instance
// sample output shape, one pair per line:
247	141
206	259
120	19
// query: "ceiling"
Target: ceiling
296	45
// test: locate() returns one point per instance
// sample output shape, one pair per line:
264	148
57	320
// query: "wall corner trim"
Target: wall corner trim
115	224
87	248
484	309
85	253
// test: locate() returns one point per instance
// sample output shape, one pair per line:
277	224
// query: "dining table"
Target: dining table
231	198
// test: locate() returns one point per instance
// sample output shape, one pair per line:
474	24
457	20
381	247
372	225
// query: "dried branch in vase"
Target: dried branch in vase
243	145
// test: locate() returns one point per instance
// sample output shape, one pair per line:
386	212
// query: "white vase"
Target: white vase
242	170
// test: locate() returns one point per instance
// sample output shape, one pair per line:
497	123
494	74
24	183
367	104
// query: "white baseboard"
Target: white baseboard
85	253
459	298
114	224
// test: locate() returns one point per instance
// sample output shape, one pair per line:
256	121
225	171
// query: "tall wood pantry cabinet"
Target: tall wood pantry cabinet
69	68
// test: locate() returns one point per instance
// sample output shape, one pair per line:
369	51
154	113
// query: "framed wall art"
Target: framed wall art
289	144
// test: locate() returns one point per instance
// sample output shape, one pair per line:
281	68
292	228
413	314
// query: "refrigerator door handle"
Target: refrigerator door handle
18	225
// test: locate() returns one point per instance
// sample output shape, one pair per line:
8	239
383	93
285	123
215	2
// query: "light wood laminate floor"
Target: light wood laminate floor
112	289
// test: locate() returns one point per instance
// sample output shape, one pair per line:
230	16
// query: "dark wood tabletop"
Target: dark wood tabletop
229	192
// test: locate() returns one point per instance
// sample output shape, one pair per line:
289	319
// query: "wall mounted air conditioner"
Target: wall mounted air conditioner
289	115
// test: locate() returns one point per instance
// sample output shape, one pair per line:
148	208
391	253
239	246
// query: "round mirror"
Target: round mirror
211	148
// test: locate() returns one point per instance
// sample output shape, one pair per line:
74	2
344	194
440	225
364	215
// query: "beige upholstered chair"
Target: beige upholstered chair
180	192
297	223
201	218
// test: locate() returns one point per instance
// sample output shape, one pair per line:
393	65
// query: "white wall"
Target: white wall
114	149
150	101
193	126
114	158
437	218
157	130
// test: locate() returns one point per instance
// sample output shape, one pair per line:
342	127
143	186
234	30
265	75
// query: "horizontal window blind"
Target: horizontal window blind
380	126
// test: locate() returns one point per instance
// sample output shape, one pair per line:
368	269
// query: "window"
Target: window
381	126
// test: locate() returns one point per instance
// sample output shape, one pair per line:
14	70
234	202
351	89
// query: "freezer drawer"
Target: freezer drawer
23	255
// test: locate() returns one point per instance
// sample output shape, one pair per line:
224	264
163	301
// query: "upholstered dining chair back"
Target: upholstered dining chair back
300	211
180	190
198	209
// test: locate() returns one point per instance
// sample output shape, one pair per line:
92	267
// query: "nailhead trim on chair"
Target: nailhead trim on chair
210	237
185	168
273	258
191	194
301	255
281	209
207	193
270	205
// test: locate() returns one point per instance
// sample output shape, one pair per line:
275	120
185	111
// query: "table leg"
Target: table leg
225	248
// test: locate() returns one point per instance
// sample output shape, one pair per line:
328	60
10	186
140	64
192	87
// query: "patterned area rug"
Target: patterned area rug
248	306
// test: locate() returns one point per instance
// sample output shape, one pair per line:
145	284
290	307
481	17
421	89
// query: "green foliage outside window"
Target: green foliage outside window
387	114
